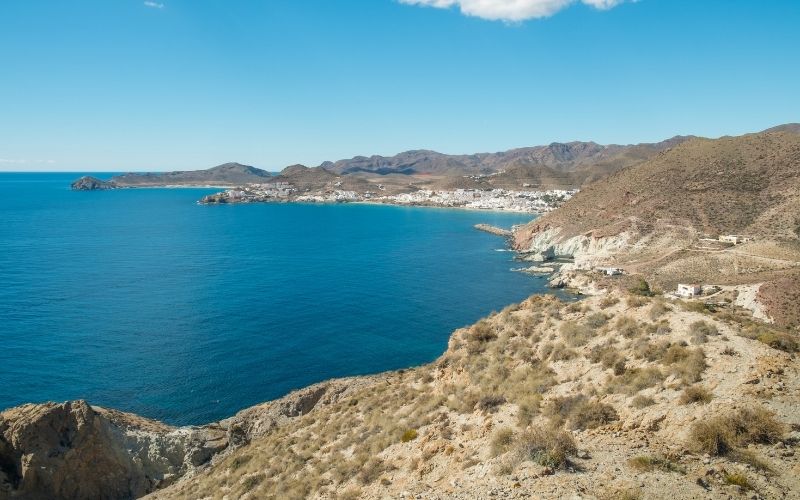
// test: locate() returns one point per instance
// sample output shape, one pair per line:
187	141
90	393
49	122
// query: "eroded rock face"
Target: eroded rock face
73	450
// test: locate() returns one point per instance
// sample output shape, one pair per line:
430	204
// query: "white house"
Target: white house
689	291
733	238
612	271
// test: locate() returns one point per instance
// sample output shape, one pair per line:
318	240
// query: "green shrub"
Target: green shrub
737	479
409	435
641	288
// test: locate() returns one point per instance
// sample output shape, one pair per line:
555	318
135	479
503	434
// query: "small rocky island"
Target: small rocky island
89	183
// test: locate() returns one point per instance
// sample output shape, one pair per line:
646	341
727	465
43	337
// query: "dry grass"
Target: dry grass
501	441
549	447
576	335
695	394
635	380
640	401
699	331
776	339
579	412
651	463
722	434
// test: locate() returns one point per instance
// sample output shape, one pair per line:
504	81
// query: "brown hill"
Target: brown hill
658	218
572	163
748	184
228	174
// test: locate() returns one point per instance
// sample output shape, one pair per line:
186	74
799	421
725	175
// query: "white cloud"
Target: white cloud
154	5
510	10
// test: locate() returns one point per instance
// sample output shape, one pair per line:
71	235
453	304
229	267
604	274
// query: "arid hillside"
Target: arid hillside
663	218
612	397
735	185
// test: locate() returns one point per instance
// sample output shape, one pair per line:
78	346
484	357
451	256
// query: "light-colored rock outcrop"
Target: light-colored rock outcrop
74	450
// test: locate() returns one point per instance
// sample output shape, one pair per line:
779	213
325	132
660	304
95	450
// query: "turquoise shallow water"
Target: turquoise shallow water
144	301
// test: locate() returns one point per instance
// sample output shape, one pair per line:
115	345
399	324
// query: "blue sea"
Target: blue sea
144	301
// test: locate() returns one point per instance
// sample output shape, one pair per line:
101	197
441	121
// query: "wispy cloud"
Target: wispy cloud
154	5
510	10
22	161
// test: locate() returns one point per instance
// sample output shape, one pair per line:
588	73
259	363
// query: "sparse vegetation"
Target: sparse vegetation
574	334
699	331
776	339
409	435
737	479
502	439
641	288
579	412
695	394
650	463
640	401
546	446
722	434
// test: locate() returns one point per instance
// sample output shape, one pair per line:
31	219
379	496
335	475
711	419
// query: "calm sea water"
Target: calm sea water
143	301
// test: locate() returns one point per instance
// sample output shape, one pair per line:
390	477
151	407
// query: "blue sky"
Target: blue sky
112	85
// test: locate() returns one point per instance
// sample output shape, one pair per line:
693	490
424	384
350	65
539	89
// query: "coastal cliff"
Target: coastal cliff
639	396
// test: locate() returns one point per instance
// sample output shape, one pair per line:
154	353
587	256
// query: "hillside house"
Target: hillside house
689	291
734	239
612	271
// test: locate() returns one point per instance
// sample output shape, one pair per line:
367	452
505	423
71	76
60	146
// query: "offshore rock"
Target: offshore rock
89	183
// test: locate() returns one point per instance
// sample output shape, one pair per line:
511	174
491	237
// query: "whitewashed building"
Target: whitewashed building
689	291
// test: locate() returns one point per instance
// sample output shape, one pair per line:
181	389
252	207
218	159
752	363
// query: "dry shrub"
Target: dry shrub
580	412
722	434
640	401
635	380
596	320
558	352
658	309
574	334
490	403
737	479
627	327
655	462
695	394
547	446
634	301
591	415
699	331
608	301
501	441
781	341
371	471
528	409
688	364
607	354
